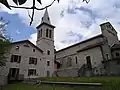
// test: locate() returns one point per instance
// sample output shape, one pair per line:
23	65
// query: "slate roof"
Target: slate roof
80	42
91	46
29	43
115	46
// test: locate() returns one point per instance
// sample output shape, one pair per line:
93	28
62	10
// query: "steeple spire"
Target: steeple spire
46	18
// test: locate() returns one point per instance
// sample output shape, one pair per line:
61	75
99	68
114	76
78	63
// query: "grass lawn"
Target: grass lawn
109	83
20	86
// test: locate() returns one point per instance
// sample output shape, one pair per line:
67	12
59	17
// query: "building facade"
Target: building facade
94	56
98	55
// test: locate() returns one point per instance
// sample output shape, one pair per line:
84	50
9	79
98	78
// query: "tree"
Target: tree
4	43
21	2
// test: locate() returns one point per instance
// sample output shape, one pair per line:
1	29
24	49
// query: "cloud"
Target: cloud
33	38
17	32
72	38
74	20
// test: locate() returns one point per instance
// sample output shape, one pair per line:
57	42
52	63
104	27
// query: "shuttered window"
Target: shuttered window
31	72
16	58
32	60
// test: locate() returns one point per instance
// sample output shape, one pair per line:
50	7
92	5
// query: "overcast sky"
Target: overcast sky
74	20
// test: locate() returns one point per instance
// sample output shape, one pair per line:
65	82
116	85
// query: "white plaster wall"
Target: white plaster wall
96	58
25	53
73	49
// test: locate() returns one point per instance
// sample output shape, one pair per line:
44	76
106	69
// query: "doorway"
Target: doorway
13	74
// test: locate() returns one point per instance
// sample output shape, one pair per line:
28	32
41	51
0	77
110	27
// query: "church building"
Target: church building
99	55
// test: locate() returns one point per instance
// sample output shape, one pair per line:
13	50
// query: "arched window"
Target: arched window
88	60
41	33
48	52
48	19
46	32
76	60
50	33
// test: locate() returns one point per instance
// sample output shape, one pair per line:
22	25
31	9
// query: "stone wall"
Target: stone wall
113	67
3	80
68	72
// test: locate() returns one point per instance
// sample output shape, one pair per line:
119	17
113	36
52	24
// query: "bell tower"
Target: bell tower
45	41
110	33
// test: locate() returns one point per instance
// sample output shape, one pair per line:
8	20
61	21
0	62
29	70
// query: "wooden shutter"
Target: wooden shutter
19	59
12	58
35	61
50	33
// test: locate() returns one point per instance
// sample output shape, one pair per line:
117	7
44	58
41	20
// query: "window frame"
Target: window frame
76	60
88	61
48	73
117	54
34	50
48	52
33	60
50	33
32	72
15	58
47	31
48	63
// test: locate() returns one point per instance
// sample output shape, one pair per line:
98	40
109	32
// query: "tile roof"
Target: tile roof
29	43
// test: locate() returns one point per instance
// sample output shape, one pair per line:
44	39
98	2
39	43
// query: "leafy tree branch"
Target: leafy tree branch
4	43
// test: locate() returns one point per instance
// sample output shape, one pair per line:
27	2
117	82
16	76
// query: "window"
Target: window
33	50
55	56
15	58
76	60
96	71
48	18
13	72
48	73
48	63
107	56
89	65
17	47
41	33
108	26
69	62
46	32
31	72
117	54
26	45
48	52
50	33
32	60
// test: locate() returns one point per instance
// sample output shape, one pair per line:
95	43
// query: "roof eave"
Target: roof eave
45	24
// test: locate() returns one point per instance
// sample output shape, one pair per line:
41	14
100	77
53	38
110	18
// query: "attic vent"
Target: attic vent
48	18
26	45
17	47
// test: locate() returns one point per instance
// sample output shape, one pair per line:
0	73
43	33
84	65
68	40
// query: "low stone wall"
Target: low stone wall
38	82
3	80
71	83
